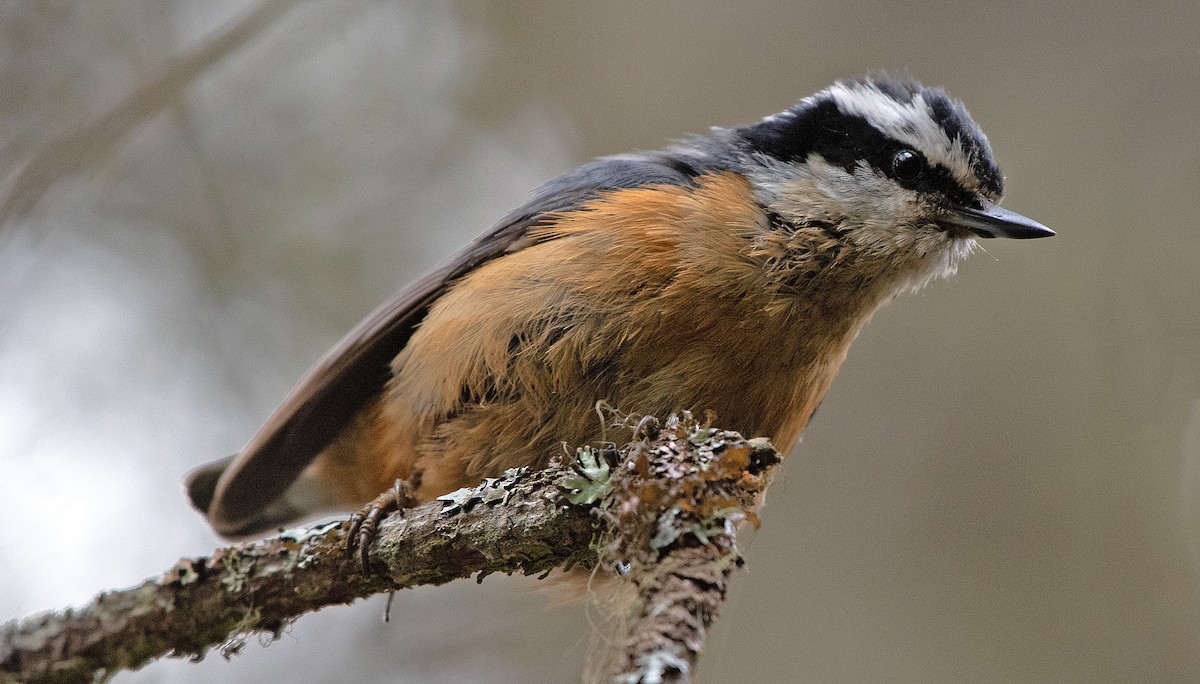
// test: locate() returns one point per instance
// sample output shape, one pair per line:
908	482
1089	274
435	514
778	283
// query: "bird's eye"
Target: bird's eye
908	165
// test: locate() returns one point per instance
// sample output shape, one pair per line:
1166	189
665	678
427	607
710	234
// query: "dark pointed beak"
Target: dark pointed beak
991	221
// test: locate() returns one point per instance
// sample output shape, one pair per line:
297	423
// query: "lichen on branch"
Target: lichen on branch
661	511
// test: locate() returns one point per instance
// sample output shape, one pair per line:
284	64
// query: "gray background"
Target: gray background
1002	486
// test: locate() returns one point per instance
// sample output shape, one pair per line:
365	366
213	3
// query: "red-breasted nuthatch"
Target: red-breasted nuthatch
729	272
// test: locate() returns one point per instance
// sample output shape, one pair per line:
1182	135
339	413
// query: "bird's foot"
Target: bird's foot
363	524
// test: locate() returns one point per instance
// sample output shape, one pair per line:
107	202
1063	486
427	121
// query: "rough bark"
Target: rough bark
663	511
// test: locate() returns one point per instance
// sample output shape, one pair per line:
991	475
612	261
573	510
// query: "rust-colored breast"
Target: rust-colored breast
652	299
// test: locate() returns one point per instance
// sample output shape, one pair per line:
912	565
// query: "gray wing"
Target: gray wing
357	368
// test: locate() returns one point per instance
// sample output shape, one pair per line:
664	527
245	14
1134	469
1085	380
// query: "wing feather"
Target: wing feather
357	368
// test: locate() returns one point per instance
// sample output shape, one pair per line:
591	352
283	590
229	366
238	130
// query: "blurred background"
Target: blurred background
199	198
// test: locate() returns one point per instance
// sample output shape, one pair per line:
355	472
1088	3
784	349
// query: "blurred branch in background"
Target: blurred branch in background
28	179
668	506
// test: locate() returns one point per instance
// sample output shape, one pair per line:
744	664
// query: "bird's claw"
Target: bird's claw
363	524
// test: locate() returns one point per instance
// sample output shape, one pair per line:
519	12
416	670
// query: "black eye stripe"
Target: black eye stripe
938	179
847	140
844	140
952	117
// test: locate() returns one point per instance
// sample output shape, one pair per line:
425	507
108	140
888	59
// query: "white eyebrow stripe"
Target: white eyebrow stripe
909	122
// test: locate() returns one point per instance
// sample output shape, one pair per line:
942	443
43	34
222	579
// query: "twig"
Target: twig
677	519
96	139
510	525
663	509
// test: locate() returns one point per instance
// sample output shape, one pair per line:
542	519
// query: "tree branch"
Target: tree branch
97	139
662	510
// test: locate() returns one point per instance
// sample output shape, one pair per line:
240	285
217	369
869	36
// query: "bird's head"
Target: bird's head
892	168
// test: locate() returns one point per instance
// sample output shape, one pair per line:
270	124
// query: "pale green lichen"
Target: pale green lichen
494	490
593	480
237	570
668	528
699	435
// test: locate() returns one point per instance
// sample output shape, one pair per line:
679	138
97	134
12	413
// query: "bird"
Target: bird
726	273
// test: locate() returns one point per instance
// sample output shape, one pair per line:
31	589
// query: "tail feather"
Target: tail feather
201	486
201	483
